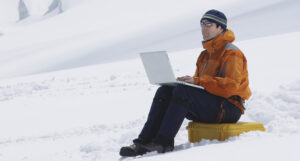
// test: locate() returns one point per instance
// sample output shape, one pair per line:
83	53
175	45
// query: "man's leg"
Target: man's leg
158	109
175	114
209	108
173	118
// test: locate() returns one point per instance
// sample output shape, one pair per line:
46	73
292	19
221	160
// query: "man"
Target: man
221	70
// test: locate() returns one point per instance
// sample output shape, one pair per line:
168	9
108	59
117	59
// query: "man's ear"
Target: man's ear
220	28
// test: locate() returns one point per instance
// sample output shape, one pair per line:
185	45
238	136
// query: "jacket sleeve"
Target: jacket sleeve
228	85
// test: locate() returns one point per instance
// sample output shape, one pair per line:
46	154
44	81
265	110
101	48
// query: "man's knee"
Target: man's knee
163	94
165	88
164	91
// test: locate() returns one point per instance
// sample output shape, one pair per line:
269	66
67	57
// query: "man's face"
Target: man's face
210	29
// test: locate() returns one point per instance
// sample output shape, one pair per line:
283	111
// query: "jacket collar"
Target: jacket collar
219	42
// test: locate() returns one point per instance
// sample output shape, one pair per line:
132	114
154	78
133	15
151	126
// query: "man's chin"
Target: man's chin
206	39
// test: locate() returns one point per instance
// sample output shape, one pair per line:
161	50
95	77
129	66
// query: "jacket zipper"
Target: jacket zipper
213	46
205	65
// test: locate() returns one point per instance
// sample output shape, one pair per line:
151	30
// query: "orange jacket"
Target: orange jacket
222	68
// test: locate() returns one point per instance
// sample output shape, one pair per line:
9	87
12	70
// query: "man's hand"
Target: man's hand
186	78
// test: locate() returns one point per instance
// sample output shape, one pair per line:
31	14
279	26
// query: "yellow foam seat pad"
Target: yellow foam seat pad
198	131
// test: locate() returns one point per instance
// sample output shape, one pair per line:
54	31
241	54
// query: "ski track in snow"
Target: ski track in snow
70	86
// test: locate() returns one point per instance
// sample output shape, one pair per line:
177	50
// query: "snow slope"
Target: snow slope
88	113
103	31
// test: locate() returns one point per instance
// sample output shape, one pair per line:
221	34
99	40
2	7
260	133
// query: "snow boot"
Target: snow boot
134	150
157	147
160	144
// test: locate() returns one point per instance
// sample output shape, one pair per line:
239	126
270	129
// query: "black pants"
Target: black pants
172	104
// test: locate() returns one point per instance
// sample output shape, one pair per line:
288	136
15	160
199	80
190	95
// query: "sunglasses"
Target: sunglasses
206	24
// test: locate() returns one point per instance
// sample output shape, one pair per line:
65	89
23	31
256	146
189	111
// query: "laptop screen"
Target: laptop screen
158	67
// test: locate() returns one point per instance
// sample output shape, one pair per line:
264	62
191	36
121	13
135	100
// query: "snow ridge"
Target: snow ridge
23	11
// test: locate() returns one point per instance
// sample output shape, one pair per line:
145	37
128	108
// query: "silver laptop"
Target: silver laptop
159	70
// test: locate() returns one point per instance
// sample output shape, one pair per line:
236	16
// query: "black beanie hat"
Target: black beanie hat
216	17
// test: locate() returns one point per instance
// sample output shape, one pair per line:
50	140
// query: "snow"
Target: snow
73	88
